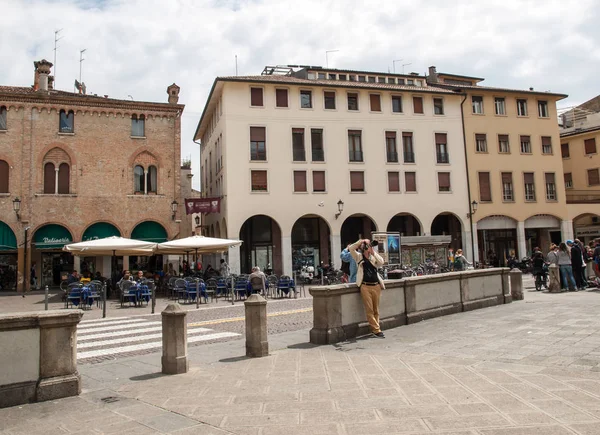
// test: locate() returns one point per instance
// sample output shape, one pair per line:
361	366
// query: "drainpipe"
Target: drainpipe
462	118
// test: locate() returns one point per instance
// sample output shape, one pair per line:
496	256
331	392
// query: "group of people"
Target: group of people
195	268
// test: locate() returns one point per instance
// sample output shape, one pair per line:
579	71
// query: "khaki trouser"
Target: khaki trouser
370	295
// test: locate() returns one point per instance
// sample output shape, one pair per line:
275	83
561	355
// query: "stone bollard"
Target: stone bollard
256	326
174	340
554	279
516	284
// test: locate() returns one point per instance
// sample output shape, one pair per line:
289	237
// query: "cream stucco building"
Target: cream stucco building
306	160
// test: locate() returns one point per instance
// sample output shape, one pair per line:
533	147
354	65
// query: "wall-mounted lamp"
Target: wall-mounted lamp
197	221
174	205
340	205
17	207
474	206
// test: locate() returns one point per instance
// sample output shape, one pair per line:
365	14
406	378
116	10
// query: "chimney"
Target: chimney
42	71
173	92
432	77
50	83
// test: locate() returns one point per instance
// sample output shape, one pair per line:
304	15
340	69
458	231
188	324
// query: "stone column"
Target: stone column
476	241
554	279
286	255
58	356
566	229
516	284
174	340
257	344
521	241
336	249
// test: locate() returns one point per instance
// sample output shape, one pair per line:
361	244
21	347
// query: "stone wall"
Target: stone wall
339	313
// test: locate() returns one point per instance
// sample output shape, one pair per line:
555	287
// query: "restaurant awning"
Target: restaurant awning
150	231
100	230
51	236
8	241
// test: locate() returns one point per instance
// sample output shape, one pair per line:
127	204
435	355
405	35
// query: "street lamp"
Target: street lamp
174	205
197	221
340	205
17	207
474	206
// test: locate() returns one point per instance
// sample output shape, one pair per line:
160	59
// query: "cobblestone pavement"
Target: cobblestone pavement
530	367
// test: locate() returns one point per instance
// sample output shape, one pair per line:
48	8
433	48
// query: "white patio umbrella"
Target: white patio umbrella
196	244
111	246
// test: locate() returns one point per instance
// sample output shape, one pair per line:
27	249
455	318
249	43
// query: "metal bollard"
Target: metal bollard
46	298
197	293
104	300
153	298
257	344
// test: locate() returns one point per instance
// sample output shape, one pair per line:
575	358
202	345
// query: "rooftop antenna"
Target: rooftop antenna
394	63
81	59
56	39
327	56
236	69
403	65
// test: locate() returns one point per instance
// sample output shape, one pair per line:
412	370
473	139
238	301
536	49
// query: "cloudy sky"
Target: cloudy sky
139	47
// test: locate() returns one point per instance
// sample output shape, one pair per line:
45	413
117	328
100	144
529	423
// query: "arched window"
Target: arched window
67	122
3	176
63	178
138	179
138	124
151	178
49	178
3	116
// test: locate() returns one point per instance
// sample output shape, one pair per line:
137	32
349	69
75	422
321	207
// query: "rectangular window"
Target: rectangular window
138	124
256	97
444	181
418	104
477	104
441	148
306	99
593	177
481	143
352	101
321	76
393	181
331	76
546	145
298	150
438	106
485	191
355	145
503	144
590	146
564	150
500	106
550	186
507	187
529	186
375	100
391	148
568	180
362	78
258	148
396	104
318	181
380	79
371	79
281	98
525	145
521	107
316	145
410	181
3	116
66	122
357	181
407	147
342	77
300	181
259	181
329	100
543	109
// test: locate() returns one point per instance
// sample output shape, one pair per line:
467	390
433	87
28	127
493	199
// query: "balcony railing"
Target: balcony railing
409	157
443	158
356	156
318	155
583	196
392	157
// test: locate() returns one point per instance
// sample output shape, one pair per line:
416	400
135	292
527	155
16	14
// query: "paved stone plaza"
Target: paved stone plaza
530	367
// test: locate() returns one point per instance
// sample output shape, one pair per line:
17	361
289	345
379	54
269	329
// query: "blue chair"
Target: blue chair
147	288
180	289
241	288
128	292
284	285
74	294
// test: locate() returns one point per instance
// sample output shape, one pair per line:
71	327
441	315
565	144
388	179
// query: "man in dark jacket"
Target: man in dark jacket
576	263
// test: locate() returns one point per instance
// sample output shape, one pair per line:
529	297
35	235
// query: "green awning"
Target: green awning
52	236
100	230
8	241
150	232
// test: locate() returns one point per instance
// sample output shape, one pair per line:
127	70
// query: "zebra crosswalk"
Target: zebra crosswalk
123	335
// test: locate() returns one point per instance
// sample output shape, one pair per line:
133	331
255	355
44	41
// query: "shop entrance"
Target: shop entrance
56	266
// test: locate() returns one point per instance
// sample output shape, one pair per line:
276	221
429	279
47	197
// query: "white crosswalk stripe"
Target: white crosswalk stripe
96	338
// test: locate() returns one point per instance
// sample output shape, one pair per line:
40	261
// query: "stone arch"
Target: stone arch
355	226
311	242
449	224
262	245
406	224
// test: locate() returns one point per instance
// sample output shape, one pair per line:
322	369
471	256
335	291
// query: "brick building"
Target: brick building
79	167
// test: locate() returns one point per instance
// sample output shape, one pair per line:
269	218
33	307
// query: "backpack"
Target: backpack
458	264
345	267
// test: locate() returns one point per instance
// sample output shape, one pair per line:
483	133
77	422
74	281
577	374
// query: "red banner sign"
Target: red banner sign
202	205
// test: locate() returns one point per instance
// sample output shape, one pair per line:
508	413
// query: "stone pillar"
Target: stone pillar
476	241
234	260
286	255
506	286
336	249
58	356
174	340
566	229
257	344
554	279
521	241
516	284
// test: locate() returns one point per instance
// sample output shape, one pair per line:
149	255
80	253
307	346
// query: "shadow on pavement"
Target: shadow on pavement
147	377
302	346
234	359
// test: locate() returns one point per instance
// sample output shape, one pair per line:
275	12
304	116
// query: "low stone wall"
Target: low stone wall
38	356
338	312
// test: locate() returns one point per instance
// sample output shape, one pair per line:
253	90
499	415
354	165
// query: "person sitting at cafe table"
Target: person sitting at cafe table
258	281
74	277
139	276
85	279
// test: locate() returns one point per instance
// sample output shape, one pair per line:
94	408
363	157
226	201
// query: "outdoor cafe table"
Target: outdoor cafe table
190	290
86	296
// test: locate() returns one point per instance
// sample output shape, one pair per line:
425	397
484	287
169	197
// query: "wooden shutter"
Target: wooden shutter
410	181
564	150
503	138
256	96
440	138
257	134
281	97
318	181
507	177
444	180
546	141
480	137
390	135
49	178
485	192
593	177
590	146
549	178
394	181
569	178
528	177
259	180
375	102
63	178
357	181
418	104
4	176
299	181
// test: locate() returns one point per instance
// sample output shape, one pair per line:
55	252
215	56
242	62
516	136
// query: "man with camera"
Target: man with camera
368	280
